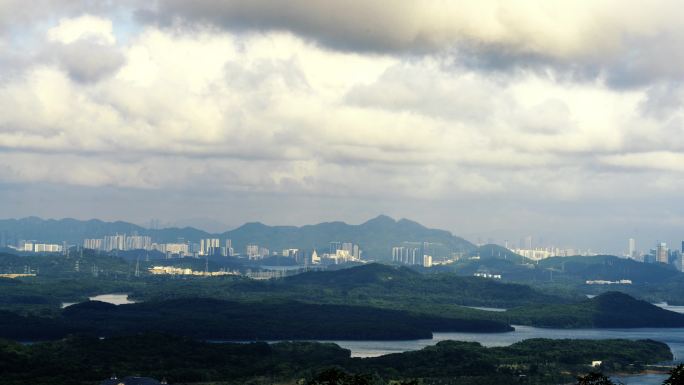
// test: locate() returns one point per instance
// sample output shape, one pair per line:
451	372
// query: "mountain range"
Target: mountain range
375	237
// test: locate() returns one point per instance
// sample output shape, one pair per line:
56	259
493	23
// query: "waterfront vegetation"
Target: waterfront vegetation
369	302
85	360
228	320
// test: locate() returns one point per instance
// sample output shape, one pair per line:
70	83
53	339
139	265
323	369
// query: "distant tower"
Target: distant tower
631	253
334	246
137	267
528	242
662	254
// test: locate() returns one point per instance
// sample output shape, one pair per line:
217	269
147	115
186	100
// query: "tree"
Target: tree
336	376
594	379
676	376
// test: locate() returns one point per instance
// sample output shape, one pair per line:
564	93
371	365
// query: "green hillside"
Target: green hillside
229	320
608	310
88	360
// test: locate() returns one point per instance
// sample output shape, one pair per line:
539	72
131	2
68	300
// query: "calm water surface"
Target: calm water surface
114	299
674	337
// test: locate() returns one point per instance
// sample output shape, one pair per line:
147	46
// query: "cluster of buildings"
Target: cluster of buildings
123	242
487	275
604	282
411	255
119	242
661	253
540	253
172	270
35	247
526	248
336	253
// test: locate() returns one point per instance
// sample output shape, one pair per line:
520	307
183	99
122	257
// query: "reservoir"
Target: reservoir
113	298
674	337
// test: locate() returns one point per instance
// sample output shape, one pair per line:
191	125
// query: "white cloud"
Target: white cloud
86	27
653	160
325	101
271	112
612	40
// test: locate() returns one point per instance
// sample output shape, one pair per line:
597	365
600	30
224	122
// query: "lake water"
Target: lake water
646	379
486	308
114	299
674	337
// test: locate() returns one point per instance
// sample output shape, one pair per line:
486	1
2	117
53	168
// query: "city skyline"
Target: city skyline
560	121
527	245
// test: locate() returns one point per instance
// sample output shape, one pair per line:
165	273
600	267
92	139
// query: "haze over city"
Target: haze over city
491	119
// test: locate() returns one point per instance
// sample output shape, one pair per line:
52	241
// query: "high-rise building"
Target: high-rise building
406	255
662	254
427	261
176	248
252	251
228	250
631	251
138	242
94	244
209	246
114	242
334	246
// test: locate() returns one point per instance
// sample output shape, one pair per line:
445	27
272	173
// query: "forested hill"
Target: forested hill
207	318
404	288
376	237
82	359
608	310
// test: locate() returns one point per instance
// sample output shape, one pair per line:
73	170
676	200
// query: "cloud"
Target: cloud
452	104
273	112
85	47
86	27
653	160
86	61
610	40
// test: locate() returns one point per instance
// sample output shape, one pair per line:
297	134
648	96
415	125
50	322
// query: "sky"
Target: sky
492	119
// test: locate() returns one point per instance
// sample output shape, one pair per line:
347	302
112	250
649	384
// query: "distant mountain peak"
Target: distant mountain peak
408	221
381	219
